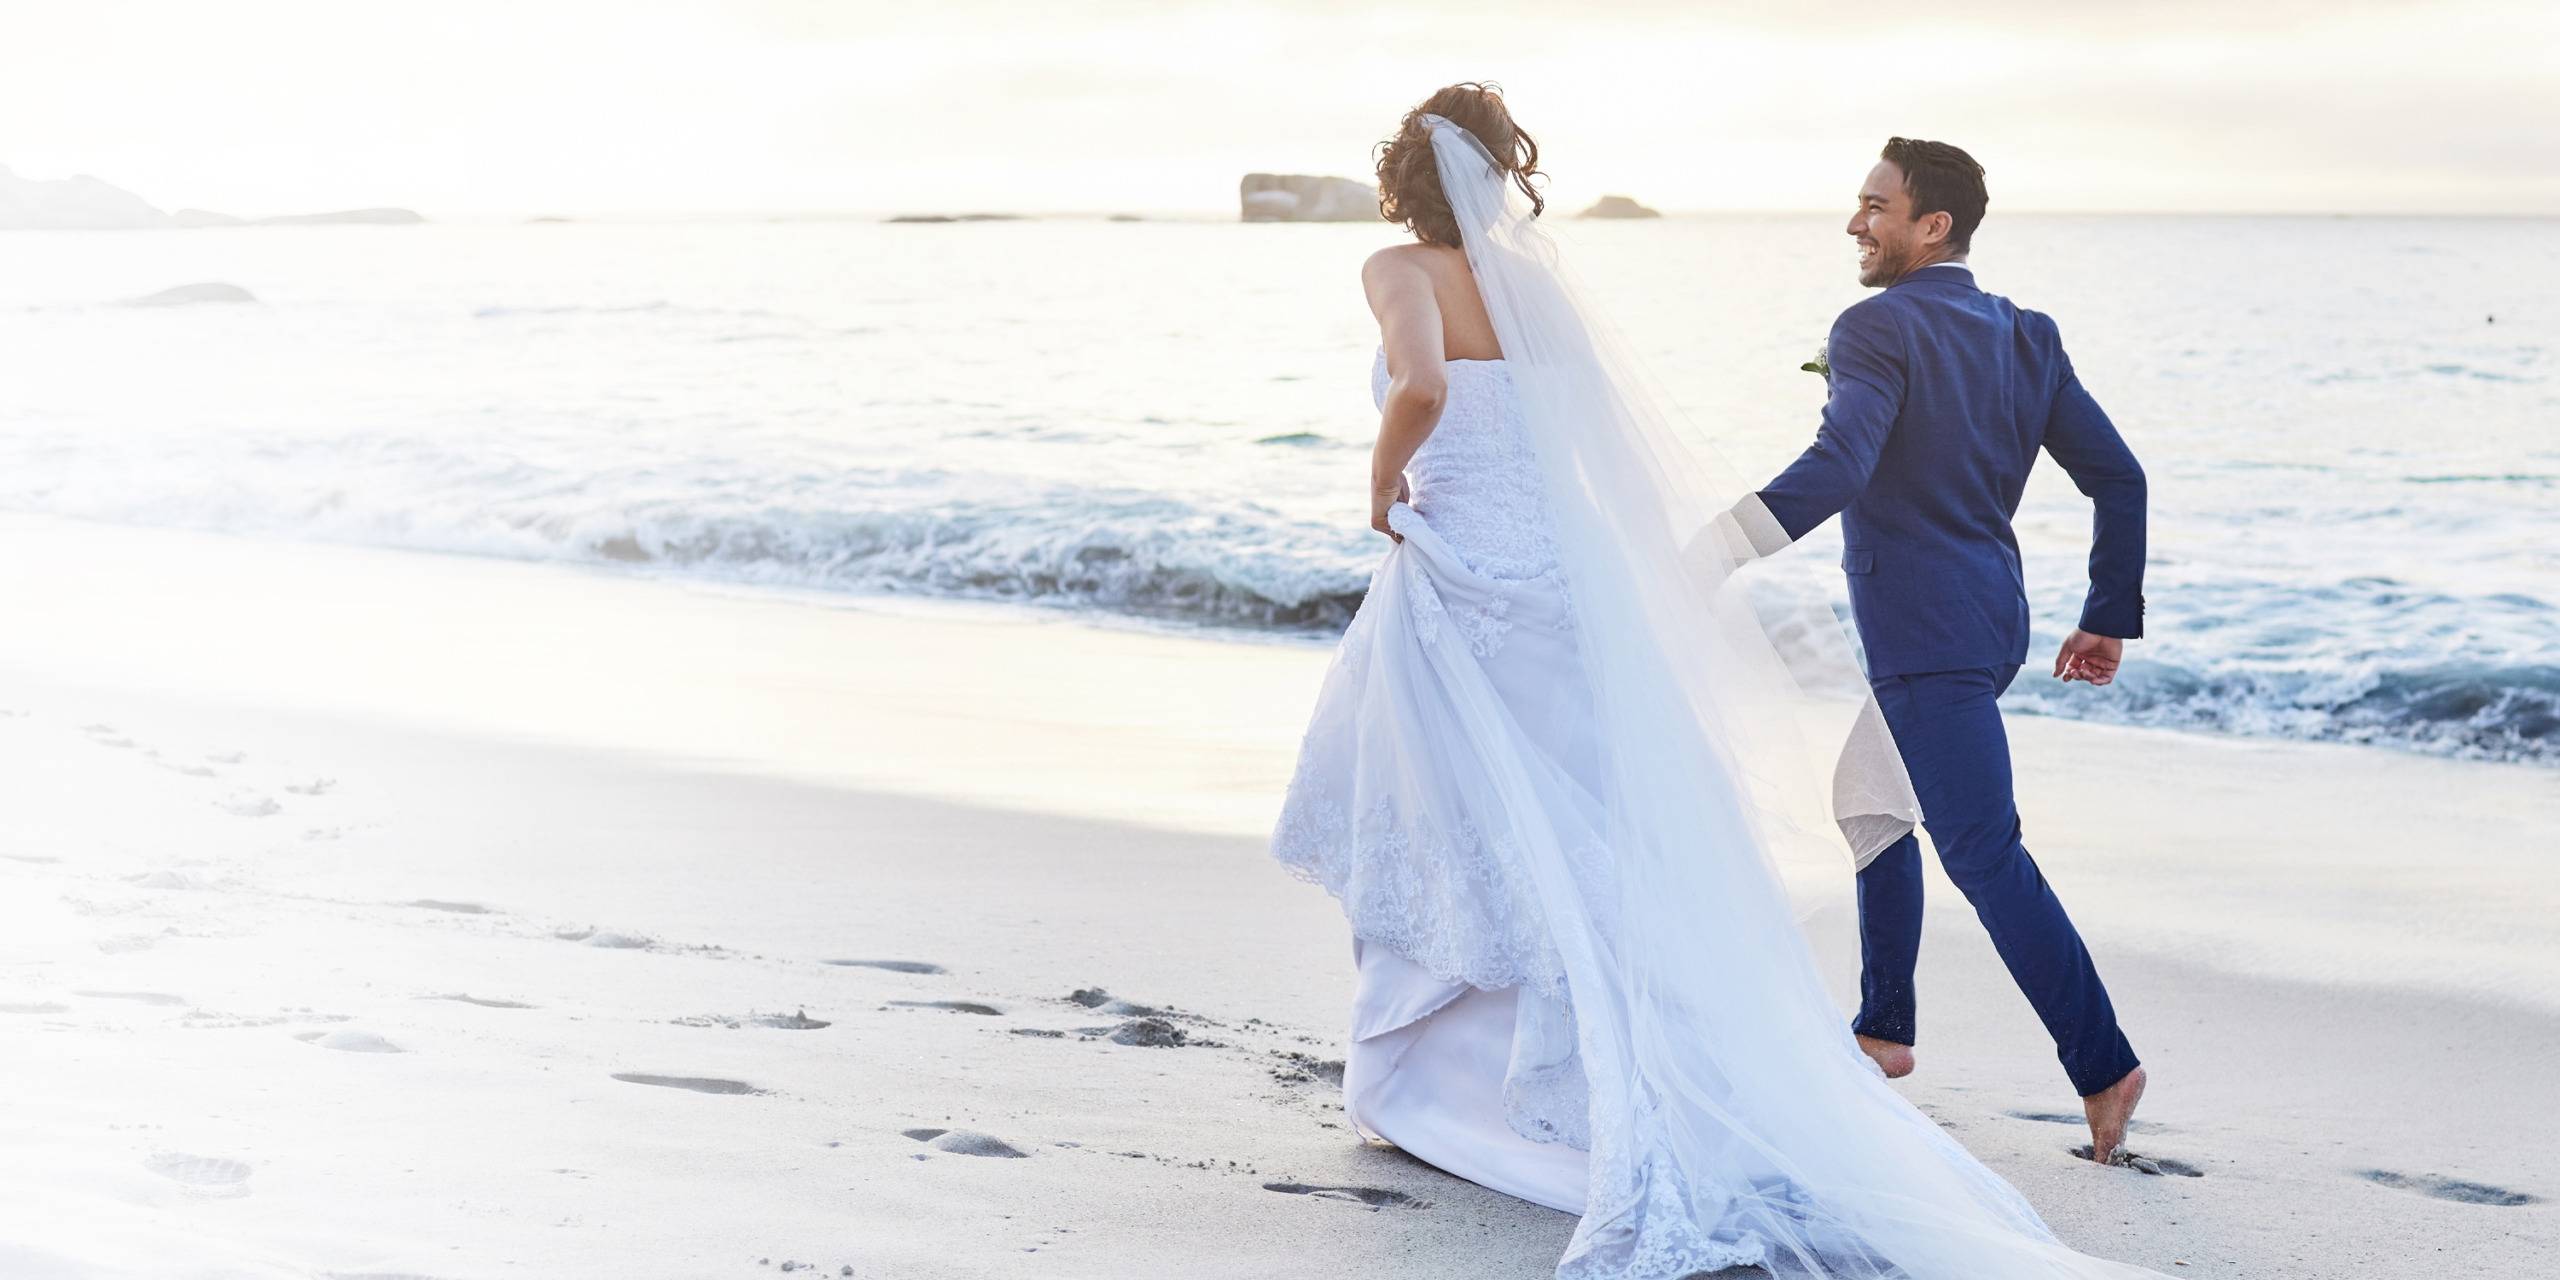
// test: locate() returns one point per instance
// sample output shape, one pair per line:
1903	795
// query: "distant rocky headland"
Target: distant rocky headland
189	294
1618	207
84	203
1296	197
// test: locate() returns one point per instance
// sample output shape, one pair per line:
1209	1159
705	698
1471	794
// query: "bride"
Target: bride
1550	778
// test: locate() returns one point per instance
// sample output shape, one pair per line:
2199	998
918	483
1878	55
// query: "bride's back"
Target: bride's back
1466	332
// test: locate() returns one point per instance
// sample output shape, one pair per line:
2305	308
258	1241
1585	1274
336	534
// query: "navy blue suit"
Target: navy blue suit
1941	396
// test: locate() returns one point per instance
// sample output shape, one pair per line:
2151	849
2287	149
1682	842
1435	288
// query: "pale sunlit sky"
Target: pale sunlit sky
668	106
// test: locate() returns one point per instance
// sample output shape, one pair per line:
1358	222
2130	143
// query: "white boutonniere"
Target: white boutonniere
1820	363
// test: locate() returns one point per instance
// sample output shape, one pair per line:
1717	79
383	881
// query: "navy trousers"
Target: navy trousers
1947	724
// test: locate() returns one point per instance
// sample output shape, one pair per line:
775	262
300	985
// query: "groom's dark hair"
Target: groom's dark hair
1941	178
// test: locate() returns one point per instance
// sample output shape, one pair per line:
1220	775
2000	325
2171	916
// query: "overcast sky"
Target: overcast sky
664	106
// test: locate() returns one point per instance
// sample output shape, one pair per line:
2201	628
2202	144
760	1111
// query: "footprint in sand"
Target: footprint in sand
1306	1068
349	1040
144	997
1145	1033
798	1020
2155	1166
955	1006
458	908
1101	1001
202	1175
2057	1117
967	1142
893	966
698	1084
1372	1198
606	939
2428	1184
251	806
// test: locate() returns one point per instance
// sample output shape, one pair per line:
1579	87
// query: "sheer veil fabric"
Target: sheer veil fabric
1672	1021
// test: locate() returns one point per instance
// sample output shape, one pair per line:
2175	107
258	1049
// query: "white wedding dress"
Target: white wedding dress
1549	778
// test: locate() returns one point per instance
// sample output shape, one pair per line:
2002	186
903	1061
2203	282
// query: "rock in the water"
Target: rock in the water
1296	197
209	291
1619	207
367	217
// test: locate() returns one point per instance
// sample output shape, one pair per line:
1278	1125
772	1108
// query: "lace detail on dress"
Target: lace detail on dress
1483	626
1545	1095
1438	896
1651	1232
1476	479
1427	610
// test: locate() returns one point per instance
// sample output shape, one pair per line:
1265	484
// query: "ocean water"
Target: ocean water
2352	426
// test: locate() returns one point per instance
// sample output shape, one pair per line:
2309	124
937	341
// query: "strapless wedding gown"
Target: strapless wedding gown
1445	946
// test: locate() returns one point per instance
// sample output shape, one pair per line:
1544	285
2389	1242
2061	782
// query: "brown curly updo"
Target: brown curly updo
1409	178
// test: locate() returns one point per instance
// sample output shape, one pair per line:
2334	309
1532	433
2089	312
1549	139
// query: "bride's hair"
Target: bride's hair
1409	179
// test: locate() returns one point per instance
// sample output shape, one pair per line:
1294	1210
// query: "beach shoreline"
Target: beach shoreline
263	785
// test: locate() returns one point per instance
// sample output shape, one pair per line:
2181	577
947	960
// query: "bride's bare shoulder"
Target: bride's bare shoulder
1395	257
1426	261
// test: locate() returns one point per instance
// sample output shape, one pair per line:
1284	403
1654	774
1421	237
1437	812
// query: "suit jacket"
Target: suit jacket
1940	396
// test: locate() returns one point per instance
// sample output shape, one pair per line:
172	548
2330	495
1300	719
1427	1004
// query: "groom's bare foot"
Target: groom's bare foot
2110	1110
1894	1058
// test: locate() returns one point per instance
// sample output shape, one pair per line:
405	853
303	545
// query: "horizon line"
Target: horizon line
999	214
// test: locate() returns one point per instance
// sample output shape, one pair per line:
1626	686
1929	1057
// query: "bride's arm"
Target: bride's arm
1417	373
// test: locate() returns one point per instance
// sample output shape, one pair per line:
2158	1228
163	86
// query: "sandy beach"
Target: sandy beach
386	915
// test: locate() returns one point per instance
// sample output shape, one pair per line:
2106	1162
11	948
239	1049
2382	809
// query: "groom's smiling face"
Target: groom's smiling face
1891	243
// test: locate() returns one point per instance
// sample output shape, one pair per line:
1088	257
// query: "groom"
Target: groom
1941	395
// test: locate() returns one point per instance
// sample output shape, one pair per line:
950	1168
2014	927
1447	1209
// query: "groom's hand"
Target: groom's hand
2088	657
